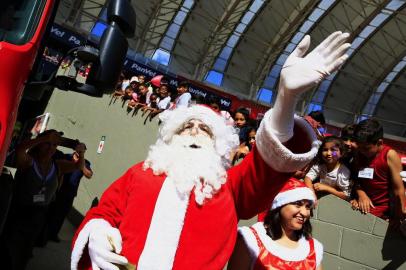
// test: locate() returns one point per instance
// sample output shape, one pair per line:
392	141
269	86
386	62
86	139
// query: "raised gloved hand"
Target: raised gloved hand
104	246
300	73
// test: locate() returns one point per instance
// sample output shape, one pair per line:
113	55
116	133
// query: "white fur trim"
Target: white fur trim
251	243
83	239
162	241
298	254
276	154
293	195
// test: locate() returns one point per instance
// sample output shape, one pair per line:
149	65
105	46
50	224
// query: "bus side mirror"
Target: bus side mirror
113	46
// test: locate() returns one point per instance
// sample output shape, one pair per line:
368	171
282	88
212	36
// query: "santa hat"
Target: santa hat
293	190
226	138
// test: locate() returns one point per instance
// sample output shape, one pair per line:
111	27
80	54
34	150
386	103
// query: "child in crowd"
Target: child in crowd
333	174
283	240
241	122
347	135
377	173
245	147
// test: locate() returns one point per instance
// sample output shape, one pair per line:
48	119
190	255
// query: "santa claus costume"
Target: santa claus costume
180	208
265	252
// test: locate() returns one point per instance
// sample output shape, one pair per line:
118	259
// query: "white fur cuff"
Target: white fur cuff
276	155
83	238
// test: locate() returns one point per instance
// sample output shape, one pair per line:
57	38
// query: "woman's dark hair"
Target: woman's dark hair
273	227
245	112
247	136
338	142
347	132
318	116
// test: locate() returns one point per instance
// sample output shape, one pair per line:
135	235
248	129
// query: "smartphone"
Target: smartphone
69	143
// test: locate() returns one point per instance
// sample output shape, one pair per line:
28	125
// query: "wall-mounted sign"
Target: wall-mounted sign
101	145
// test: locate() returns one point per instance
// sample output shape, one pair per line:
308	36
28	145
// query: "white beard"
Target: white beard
189	167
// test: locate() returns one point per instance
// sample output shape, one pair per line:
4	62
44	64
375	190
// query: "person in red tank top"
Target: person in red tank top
377	172
283	241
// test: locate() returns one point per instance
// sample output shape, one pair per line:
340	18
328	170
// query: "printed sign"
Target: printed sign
101	145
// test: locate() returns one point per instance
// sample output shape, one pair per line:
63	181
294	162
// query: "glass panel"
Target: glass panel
391	76
314	107
173	30
19	20
265	95
316	14
275	71
297	37
161	57
220	64
167	43
380	18
367	31
382	87
98	29
325	4
395	4
290	48
400	66
256	5
233	39
247	17
214	77
306	26
358	41
226	52
240	28
270	82
180	17
188	4
281	60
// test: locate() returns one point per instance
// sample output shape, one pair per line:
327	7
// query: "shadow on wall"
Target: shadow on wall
352	240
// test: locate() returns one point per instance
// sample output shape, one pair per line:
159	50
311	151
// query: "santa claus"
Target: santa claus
179	209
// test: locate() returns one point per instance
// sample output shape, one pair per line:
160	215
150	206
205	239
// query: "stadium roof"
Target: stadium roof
240	46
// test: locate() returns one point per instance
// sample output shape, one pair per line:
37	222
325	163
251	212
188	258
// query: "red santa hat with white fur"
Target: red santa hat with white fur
294	190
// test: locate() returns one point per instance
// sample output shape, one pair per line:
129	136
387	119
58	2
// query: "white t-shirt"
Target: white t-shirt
338	178
298	254
164	103
183	100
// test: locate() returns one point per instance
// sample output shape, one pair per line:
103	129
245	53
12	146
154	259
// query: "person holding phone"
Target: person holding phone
36	183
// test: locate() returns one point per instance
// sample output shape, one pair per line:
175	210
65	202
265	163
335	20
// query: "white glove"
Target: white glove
299	74
104	246
403	175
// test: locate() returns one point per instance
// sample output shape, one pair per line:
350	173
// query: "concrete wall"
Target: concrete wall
351	240
355	241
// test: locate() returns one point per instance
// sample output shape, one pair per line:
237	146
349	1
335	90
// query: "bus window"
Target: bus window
19	20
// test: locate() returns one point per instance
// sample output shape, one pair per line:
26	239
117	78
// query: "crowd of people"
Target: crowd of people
209	168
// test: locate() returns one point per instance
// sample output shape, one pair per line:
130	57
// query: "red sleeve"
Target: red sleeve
254	184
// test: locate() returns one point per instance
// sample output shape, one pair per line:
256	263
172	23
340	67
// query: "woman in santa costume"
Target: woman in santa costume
283	241
180	208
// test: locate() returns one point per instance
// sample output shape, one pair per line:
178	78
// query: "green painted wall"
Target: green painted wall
88	119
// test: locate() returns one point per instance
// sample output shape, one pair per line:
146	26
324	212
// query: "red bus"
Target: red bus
22	27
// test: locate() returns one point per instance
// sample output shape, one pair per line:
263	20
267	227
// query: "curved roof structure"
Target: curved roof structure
240	46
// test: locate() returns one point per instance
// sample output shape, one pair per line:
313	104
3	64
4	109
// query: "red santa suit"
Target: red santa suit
162	230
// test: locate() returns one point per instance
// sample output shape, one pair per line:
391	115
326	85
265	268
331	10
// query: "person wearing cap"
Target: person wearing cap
36	183
283	240
179	209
